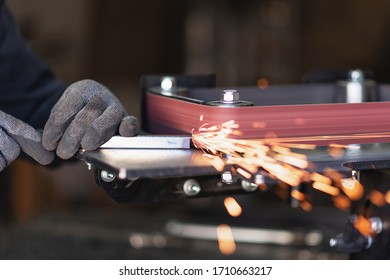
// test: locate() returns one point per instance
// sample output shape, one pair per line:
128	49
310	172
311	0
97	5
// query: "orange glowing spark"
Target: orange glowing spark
234	209
259	125
326	188
301	163
300	121
377	198
216	161
352	188
201	117
299	146
306	206
262	83
274	158
320	178
363	225
226	243
244	173
342	202
335	152
297	195
387	197
333	174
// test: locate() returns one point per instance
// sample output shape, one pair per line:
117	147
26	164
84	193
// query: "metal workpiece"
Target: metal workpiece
230	98
148	142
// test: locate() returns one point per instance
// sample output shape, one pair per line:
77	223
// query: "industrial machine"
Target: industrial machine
352	114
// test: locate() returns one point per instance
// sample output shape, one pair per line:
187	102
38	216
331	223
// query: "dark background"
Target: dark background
115	42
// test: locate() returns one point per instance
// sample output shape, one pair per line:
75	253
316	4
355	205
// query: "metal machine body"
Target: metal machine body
179	107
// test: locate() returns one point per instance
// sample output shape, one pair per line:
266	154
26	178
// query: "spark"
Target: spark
233	208
387	197
306	205
320	178
363	225
250	156
326	188
342	202
226	243
280	159
352	188
377	198
262	83
297	195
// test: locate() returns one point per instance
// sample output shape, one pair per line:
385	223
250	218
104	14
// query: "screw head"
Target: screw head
191	187
107	176
168	83
248	186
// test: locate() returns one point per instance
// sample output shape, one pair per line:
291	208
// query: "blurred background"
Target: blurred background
62	213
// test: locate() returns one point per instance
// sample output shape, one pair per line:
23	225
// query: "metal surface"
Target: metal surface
155	163
149	163
148	142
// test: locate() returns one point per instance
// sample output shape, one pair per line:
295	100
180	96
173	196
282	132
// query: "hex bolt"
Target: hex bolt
107	176
227	177
230	96
248	186
191	187
168	83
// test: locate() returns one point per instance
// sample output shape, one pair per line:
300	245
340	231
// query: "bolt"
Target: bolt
107	176
168	83
227	177
356	75
230	96
333	242
191	187
248	186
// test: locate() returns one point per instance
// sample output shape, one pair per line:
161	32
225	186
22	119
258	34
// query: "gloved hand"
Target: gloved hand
16	135
87	114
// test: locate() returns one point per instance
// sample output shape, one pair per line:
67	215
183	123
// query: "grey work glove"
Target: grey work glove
86	115
15	136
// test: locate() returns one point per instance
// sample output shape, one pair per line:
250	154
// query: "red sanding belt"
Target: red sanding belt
169	115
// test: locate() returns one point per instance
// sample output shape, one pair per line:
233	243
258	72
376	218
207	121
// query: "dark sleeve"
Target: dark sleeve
28	88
